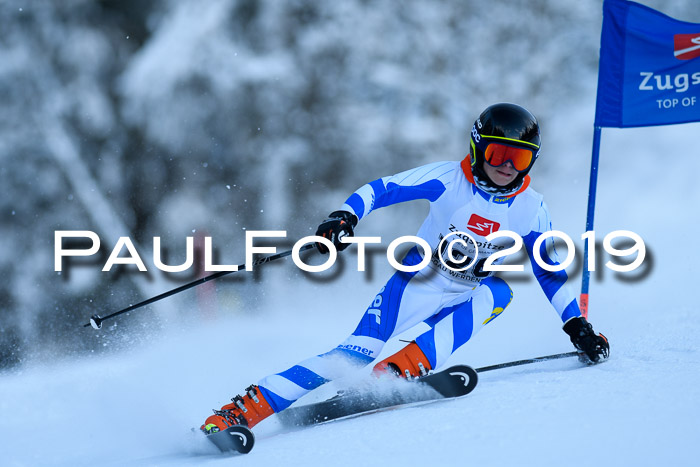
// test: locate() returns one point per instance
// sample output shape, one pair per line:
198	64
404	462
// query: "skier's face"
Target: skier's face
501	175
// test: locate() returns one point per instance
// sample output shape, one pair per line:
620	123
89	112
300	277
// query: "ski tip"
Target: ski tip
467	375
455	381
237	438
96	322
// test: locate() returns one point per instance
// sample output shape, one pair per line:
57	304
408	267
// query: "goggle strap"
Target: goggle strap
512	140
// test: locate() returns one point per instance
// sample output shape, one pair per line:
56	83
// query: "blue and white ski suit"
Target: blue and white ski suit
454	304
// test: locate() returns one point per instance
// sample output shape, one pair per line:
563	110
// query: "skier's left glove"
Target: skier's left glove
595	347
338	225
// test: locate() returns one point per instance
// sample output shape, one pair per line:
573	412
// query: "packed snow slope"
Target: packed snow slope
642	407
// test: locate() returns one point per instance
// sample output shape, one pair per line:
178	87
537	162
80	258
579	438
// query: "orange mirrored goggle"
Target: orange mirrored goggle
497	154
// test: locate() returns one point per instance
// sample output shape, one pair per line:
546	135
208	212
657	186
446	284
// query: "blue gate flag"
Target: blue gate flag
649	72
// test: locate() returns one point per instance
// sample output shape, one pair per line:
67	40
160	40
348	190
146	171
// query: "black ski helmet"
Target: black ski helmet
519	128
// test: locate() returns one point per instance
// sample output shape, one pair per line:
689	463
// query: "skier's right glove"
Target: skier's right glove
338	225
594	346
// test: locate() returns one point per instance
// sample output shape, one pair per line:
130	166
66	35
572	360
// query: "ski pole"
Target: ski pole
527	361
96	320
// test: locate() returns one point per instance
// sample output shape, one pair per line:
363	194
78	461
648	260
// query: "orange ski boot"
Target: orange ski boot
248	410
409	362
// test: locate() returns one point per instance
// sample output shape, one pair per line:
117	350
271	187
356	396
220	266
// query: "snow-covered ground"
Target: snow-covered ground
642	407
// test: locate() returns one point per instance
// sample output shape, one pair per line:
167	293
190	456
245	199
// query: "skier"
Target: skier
486	192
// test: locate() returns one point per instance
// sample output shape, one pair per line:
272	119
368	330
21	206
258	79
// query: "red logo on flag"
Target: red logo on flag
482	226
686	46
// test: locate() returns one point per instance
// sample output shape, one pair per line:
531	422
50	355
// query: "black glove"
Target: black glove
594	346
338	225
